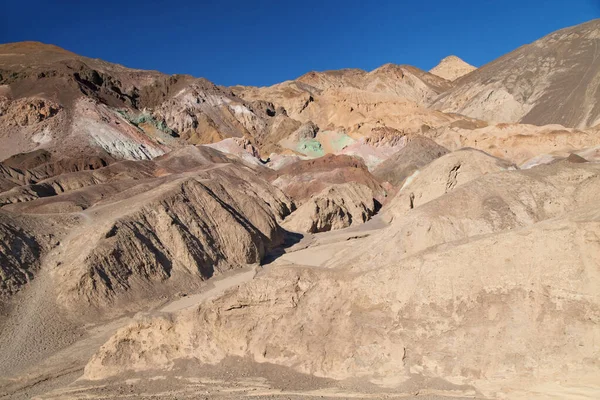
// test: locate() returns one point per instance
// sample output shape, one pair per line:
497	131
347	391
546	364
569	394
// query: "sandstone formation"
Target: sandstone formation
180	218
519	143
336	207
302	179
23	242
443	175
487	309
357	101
357	111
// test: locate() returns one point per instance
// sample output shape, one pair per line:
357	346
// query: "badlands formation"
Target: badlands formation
393	233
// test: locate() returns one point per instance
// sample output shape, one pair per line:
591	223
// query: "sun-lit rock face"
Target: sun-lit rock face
452	68
438	278
336	207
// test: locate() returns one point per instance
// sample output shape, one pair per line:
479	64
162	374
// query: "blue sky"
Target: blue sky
265	42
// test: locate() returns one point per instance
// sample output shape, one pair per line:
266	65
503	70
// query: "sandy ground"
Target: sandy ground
236	378
315	250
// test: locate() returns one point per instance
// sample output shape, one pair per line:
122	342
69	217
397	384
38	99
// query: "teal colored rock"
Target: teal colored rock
148	119
311	148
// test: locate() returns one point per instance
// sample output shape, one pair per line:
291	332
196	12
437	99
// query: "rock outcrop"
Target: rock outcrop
302	179
135	228
478	278
23	242
519	143
443	175
336	207
418	152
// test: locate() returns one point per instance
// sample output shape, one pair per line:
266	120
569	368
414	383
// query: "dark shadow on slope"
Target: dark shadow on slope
377	207
290	239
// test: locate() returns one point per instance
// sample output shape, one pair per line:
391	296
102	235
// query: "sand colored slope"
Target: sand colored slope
466	314
519	143
441	176
418	152
553	80
302	179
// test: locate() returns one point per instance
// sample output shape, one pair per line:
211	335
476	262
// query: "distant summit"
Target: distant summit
452	68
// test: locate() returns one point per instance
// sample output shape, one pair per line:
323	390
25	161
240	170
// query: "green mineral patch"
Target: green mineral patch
143	118
311	148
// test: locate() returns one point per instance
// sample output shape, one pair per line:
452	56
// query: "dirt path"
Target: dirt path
316	250
215	288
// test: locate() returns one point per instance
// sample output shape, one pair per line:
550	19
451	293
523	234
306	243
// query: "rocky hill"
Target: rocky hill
553	80
348	234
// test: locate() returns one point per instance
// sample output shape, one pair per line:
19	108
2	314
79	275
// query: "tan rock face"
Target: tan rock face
452	68
520	143
26	112
395	96
403	81
139	228
336	207
469	311
487	203
442	175
418	152
190	232
23	242
356	110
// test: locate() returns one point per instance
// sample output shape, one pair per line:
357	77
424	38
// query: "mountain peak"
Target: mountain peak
452	68
28	47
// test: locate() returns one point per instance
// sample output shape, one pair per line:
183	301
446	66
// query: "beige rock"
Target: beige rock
452	68
23	243
418	152
336	207
472	314
519	143
478	280
302	179
494	202
443	175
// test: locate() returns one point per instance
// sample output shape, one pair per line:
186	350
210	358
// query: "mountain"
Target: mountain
554	80
357	101
347	234
404	81
452	68
55	100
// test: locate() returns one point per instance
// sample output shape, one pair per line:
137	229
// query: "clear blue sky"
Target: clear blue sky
264	42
